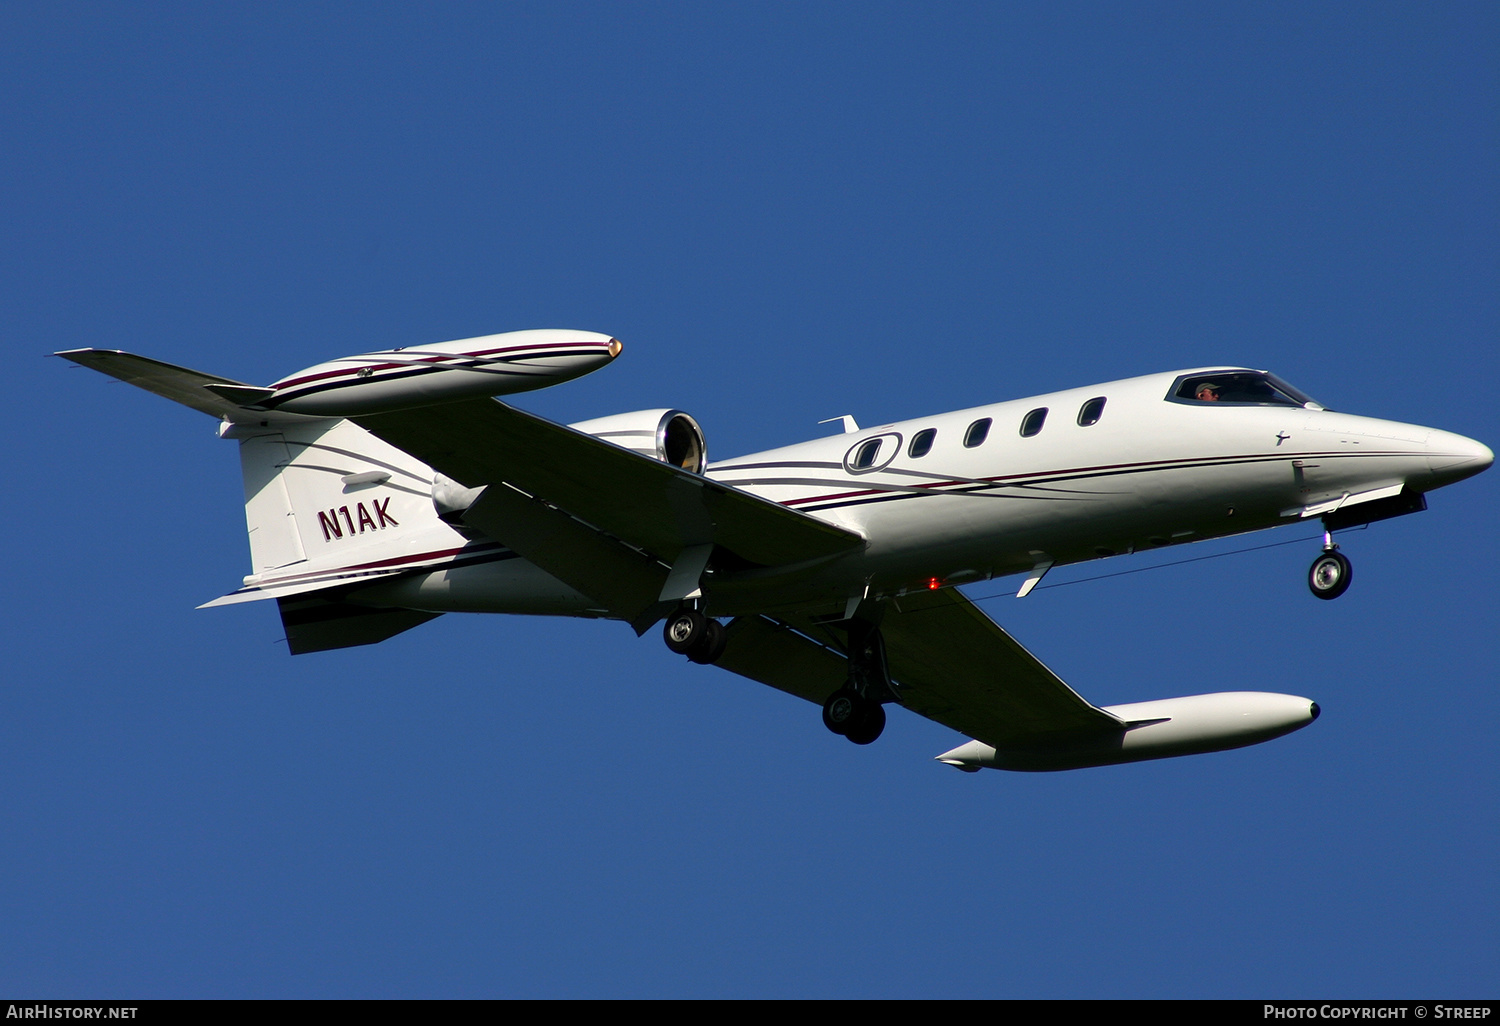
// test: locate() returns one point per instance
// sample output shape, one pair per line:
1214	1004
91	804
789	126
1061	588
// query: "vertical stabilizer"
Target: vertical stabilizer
274	538
327	493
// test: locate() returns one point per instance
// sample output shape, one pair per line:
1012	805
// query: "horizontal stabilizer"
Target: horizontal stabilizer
188	387
316	625
241	395
318	582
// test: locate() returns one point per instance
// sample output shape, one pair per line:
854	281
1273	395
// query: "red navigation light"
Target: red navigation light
933	584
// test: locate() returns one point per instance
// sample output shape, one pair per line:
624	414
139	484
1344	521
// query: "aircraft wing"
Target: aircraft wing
603	519
609	522
950	662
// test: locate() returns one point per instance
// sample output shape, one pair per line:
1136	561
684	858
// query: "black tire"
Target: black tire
684	630
870	724
711	645
842	710
1330	575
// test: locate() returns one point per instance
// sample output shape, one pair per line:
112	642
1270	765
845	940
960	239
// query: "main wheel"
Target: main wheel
869	725
711	645
685	630
842	710
1329	576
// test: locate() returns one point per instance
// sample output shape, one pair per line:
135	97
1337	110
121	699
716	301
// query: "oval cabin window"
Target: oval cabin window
1032	424
864	456
1090	413
921	443
977	433
873	453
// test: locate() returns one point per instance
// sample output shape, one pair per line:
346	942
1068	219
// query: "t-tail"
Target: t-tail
330	509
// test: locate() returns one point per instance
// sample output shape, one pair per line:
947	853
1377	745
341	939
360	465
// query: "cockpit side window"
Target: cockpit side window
1239	388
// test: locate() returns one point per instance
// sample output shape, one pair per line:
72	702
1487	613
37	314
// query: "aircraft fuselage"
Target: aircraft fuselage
950	499
1146	473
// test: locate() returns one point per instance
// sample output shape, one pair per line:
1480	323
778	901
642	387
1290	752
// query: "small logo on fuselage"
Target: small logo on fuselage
357	522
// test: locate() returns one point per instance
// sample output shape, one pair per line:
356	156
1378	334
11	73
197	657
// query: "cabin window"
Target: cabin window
1033	421
1091	411
873	453
864	456
921	443
977	433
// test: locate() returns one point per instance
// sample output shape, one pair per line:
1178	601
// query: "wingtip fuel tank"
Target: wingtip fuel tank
1160	729
410	376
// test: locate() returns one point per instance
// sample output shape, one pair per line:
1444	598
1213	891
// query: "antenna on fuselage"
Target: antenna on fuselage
848	421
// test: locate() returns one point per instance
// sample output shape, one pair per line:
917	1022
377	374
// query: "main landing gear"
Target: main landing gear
855	710
1331	573
851	714
688	632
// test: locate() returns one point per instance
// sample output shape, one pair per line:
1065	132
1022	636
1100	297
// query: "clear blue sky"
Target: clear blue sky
787	212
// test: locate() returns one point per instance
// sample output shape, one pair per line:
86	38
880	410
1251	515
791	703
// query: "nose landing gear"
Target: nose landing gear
1331	573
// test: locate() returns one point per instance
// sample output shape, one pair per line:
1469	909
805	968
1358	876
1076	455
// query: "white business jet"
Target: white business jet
386	489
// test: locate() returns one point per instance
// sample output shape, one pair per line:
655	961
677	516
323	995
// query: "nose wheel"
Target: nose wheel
1331	573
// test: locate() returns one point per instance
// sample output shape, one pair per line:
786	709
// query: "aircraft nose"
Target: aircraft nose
1454	457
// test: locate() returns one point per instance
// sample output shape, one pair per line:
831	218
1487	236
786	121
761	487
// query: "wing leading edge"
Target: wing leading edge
606	521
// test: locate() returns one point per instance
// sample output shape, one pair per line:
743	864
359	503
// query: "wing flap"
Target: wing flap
619	578
957	666
954	665
774	654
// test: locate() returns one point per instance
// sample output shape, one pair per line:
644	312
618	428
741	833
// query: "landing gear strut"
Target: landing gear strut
855	710
1331	573
690	633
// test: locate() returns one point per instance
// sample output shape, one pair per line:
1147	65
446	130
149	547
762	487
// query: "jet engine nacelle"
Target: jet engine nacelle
396	379
667	435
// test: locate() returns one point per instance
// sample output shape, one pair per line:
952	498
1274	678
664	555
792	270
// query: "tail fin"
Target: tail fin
330	494
328	506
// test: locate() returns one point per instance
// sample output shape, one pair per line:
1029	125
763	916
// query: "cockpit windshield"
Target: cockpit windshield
1239	388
